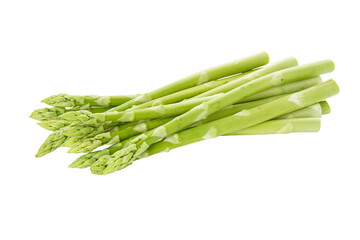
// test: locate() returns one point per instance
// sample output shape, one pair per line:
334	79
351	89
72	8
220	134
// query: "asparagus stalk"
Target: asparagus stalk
87	118
188	93
281	126
214	73
66	100
266	70
269	127
202	111
241	120
286	88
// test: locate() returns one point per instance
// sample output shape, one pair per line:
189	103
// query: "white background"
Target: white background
295	186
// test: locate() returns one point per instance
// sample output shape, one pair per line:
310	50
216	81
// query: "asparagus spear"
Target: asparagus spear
241	120
281	126
286	88
235	67
207	108
187	93
66	100
54	125
268	69
53	141
45	114
87	118
269	127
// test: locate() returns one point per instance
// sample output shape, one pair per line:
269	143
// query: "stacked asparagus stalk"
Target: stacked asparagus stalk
243	97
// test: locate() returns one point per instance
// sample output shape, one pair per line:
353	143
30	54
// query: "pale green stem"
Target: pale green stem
228	69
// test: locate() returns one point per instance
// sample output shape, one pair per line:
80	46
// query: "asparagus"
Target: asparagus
286	88
313	111
87	118
187	93
53	141
269	127
66	100
44	114
241	120
235	67
54	125
325	108
112	137
281	126
207	108
268	69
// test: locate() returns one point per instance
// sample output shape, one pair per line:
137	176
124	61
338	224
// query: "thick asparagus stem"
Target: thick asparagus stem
286	88
214	73
207	108
280	126
187	93
268	127
241	80
66	100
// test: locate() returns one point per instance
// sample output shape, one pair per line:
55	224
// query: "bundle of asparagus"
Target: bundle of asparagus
243	97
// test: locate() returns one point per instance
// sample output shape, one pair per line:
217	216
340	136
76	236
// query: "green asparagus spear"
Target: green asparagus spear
85	117
66	100
232	68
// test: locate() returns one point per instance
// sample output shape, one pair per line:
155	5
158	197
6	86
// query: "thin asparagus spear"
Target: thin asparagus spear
44	114
228	69
54	125
266	70
281	126
286	88
53	141
87	118
269	127
236	122
66	100
188	93
207	108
